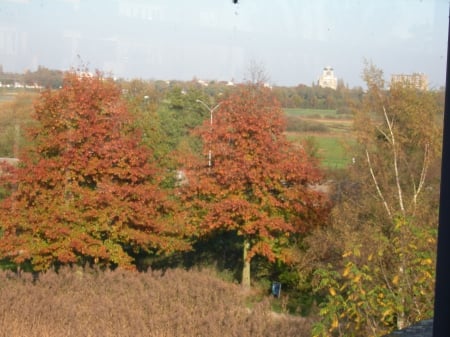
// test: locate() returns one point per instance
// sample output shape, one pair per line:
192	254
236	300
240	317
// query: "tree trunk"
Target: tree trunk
246	265
401	312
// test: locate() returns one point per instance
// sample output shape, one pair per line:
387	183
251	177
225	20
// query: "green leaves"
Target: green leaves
377	285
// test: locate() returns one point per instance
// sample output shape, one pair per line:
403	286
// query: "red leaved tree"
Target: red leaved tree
258	184
86	191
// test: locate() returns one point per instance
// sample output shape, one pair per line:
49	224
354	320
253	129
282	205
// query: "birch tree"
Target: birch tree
386	219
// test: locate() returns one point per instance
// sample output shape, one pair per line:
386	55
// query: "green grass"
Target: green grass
331	144
332	152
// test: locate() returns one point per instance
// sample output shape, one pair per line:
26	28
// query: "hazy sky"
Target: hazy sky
217	40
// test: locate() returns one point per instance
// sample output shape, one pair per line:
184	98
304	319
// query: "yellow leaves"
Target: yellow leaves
386	313
395	280
347	254
332	292
426	262
335	322
431	241
426	275
346	271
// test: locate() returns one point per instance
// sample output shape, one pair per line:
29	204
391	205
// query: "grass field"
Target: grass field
7	95
333	143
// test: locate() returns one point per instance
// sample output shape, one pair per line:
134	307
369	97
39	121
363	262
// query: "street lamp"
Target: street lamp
211	110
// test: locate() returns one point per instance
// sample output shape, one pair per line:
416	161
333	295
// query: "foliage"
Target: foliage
366	295
379	275
179	114
316	97
258	184
44	77
143	99
86	191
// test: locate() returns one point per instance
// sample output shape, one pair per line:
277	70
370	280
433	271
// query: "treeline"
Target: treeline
344	99
42	77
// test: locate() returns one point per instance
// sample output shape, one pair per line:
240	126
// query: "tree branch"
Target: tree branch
380	194
394	152
423	173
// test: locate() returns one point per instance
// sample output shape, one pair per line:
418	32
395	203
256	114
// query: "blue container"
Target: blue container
276	289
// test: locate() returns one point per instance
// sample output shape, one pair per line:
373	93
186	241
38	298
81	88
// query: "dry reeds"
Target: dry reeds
118	303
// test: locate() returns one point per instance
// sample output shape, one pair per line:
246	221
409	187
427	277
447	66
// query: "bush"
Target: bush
295	124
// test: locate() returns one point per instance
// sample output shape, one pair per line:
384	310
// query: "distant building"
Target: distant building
203	83
328	80
415	80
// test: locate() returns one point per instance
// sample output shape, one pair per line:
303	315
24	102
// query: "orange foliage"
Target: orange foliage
259	184
86	190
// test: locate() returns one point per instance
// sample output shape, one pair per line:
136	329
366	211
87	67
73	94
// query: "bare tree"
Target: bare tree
256	74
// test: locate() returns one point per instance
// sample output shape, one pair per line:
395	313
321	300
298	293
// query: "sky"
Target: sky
292	40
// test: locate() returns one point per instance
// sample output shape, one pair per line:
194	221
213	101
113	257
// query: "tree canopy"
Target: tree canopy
86	191
258	184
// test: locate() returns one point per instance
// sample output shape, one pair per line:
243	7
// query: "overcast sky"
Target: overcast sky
217	40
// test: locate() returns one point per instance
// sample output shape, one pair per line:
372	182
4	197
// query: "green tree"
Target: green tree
179	114
143	100
258	185
86	191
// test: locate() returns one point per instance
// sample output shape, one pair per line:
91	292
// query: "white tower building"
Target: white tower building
328	80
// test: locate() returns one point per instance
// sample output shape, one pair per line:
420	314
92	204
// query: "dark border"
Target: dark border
441	324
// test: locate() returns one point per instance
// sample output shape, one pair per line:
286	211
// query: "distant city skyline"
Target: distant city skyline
218	40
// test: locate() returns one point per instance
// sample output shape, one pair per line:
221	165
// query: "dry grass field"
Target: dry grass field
116	303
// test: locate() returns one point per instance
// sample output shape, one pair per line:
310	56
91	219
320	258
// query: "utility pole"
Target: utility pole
211	110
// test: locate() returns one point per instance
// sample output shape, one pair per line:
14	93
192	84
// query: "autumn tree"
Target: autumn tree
382	240
257	185
86	191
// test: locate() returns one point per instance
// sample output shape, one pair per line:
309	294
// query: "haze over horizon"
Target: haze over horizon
292	40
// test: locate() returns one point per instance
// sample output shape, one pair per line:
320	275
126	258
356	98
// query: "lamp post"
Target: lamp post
211	110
